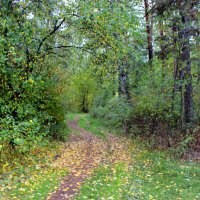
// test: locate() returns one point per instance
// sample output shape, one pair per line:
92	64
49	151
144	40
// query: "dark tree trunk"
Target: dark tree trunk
198	79
182	61
123	83
149	26
186	65
85	102
122	69
176	87
198	64
163	53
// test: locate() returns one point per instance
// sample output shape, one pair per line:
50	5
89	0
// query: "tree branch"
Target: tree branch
48	50
65	46
51	33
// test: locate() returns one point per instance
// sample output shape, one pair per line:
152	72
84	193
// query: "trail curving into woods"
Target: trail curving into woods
84	153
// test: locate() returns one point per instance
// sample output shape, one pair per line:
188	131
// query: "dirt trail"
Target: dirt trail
83	153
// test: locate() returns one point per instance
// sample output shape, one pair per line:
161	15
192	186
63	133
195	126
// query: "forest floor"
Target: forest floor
105	166
84	153
97	165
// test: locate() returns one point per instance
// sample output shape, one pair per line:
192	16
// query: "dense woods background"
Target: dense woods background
133	63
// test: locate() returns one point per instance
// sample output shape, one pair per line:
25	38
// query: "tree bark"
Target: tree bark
122	70
162	47
198	79
123	82
186	65
149	26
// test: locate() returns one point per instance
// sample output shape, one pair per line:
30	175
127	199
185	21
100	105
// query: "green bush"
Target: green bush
30	114
116	112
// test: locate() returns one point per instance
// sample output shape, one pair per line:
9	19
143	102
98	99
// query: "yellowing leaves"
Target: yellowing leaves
38	175
30	80
86	152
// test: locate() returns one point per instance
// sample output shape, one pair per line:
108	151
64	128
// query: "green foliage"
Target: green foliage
22	135
183	147
28	107
115	113
59	56
82	90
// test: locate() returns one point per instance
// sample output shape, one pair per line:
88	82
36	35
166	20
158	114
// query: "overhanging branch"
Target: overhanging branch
51	33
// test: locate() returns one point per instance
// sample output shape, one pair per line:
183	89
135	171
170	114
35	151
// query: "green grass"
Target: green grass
108	182
96	126
153	175
156	176
32	186
93	125
71	116
32	176
85	121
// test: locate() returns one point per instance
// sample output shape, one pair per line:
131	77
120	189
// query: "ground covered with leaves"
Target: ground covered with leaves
32	176
151	174
95	164
84	153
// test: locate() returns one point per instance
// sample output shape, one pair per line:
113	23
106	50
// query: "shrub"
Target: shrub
116	112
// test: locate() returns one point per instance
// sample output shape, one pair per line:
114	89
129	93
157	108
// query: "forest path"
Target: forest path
84	152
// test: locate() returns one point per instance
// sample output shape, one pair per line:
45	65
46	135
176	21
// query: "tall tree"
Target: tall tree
186	75
123	70
181	26
149	29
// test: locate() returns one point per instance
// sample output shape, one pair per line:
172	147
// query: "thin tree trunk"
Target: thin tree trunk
123	85
162	48
176	66
149	27
122	70
198	79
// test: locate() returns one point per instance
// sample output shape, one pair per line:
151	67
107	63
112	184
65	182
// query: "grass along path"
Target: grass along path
33	176
149	174
96	165
86	152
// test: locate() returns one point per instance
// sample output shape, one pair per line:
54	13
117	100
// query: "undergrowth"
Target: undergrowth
152	175
32	176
